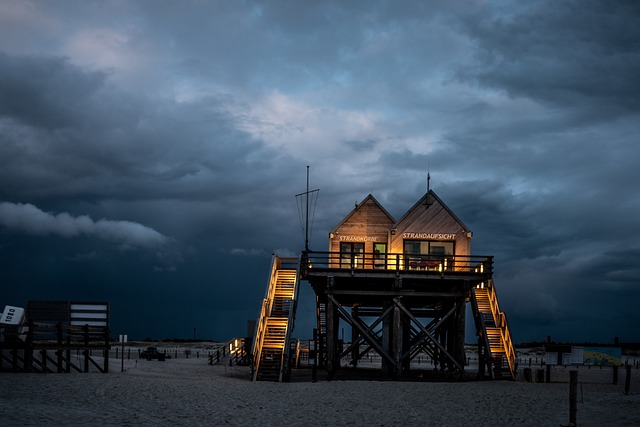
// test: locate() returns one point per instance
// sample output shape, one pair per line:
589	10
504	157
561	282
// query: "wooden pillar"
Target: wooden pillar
106	350
67	368
355	337
406	341
28	349
387	330
86	348
481	356
396	341
60	347
460	325
333	361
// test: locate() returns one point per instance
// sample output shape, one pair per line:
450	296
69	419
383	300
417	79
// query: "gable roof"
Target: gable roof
373	199
423	200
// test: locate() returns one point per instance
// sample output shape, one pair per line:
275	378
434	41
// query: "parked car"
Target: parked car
153	353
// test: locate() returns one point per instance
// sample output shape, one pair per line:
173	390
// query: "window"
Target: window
351	255
428	254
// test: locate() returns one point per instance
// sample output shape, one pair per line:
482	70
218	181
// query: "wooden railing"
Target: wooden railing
277	263
290	264
500	320
267	303
47	347
396	261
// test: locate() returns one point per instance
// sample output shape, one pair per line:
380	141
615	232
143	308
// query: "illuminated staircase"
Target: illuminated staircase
271	346
500	355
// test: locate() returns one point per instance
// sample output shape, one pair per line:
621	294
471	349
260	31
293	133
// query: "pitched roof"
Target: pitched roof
369	197
423	200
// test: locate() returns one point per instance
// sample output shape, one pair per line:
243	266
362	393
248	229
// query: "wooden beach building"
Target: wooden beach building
402	286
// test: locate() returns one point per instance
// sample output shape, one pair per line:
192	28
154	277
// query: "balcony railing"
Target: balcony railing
396	261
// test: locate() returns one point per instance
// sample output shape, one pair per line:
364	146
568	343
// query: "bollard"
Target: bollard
548	377
573	397
627	380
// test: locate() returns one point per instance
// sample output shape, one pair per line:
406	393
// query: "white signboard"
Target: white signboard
12	315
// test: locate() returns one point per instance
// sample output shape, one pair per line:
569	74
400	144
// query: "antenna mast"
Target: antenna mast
306	226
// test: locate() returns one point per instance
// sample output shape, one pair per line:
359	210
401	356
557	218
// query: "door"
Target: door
379	255
351	255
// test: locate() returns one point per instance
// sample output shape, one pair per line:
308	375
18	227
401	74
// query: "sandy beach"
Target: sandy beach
188	391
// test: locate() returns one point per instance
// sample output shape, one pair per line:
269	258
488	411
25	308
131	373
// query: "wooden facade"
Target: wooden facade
401	286
367	226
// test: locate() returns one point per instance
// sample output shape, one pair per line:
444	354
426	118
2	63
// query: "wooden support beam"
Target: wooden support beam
370	339
398	293
429	335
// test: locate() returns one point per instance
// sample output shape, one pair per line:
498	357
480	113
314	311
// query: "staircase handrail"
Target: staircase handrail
506	338
485	337
285	365
265	311
500	320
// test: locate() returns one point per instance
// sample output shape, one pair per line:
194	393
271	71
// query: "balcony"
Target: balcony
377	264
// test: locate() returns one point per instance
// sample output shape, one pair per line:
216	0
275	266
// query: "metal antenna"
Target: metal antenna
306	226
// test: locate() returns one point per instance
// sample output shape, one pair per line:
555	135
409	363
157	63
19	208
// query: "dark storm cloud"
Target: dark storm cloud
106	143
45	92
195	121
575	54
31	220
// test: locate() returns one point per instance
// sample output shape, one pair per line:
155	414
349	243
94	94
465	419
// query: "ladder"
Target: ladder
271	346
500	355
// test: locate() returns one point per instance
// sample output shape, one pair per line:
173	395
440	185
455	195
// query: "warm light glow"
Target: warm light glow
230	346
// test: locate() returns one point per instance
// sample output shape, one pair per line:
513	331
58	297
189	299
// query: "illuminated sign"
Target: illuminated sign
429	236
358	239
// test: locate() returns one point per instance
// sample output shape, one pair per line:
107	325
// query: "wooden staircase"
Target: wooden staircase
273	332
500	354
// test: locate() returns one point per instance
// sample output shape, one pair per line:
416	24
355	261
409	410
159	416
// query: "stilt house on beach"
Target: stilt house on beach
402	287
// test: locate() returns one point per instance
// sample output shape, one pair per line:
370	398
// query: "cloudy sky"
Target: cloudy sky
150	151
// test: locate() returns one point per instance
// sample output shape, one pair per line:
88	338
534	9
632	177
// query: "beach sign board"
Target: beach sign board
610	356
12	315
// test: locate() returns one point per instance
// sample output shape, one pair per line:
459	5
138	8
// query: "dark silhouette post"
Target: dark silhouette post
573	393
